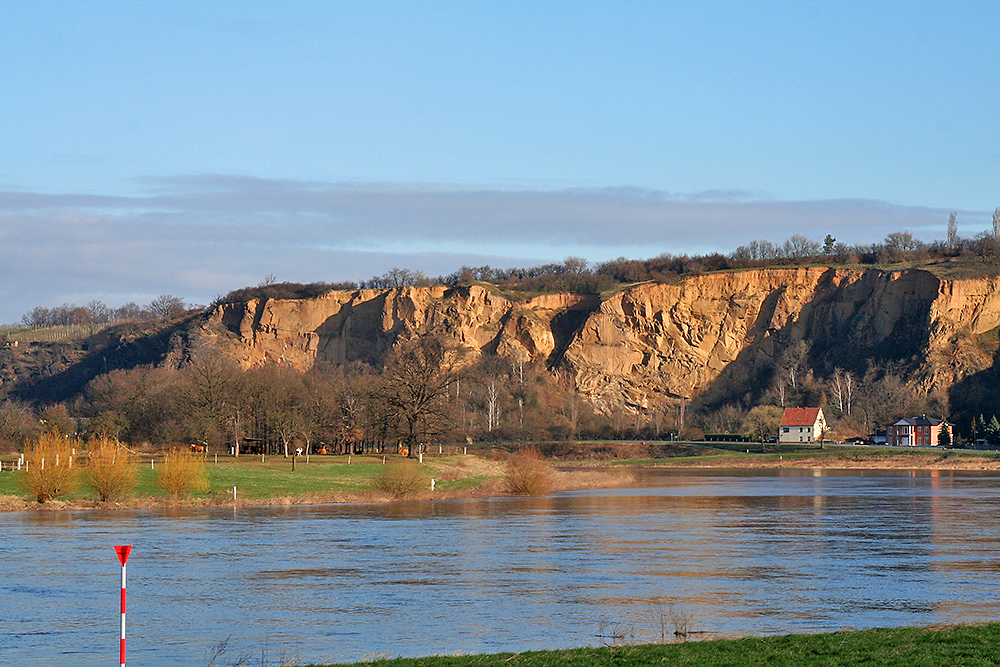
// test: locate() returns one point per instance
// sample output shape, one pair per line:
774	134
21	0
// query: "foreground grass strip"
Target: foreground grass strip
968	646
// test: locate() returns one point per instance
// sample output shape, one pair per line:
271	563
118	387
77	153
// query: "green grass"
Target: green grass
736	452
965	646
274	478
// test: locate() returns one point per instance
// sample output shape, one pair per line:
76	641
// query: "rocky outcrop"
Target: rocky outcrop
362	325
710	336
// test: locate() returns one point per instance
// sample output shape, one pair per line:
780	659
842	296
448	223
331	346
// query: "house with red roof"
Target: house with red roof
802	425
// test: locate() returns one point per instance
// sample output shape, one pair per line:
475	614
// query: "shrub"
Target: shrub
112	471
401	480
181	472
50	473
528	474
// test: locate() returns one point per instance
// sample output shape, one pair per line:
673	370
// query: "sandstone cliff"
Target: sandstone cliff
709	336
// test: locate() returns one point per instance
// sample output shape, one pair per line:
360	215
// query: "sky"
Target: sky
192	148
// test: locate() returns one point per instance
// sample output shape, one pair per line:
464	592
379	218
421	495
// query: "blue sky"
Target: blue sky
195	147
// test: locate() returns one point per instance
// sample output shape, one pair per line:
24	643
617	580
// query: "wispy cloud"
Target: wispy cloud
196	236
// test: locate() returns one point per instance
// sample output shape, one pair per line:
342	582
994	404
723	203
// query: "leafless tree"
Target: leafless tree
416	380
842	388
167	306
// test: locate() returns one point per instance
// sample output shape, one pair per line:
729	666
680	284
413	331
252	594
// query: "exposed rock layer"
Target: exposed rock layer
711	336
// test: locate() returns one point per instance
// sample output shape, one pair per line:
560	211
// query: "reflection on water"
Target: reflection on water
738	552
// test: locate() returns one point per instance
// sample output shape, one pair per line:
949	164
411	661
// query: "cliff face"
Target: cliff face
713	336
363	325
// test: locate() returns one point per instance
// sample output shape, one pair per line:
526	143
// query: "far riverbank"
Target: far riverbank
253	480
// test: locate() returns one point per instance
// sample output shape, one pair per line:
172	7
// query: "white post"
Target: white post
348	459
216	458
465	451
383	460
57	460
261	458
439	449
432	484
234	494
151	464
71	462
43	464
421	455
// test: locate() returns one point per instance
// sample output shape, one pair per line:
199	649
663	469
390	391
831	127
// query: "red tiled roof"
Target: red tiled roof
799	416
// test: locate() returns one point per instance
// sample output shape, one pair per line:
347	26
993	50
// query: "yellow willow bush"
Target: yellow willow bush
181	472
51	472
528	474
112	470
401	480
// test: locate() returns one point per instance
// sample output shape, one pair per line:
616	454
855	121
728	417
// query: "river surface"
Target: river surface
727	553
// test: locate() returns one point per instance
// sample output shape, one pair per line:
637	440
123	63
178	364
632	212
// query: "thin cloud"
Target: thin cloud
197	236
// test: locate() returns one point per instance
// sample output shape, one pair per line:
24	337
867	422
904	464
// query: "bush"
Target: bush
112	471
50	473
401	480
181	472
528	474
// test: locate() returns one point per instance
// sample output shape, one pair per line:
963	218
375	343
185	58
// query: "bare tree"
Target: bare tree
416	380
799	247
219	400
167	306
842	388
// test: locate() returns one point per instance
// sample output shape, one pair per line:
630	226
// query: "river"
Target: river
721	552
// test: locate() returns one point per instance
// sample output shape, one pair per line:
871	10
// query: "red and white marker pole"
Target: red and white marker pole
123	552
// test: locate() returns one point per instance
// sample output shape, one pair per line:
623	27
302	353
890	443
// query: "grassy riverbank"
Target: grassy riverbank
321	479
968	646
352	479
755	455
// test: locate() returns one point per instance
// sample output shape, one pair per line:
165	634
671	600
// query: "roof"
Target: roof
800	416
922	420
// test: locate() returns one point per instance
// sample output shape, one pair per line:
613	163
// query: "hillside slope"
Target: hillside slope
707	338
710	336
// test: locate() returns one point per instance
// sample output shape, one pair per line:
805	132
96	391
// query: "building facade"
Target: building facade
802	425
920	431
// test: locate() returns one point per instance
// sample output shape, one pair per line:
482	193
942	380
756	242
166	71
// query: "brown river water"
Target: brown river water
724	553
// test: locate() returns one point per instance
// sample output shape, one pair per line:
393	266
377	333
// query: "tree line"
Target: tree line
427	391
98	314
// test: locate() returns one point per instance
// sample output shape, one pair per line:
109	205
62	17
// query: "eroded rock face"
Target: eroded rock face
710	336
362	325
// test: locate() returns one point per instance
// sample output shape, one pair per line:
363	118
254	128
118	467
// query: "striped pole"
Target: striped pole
123	552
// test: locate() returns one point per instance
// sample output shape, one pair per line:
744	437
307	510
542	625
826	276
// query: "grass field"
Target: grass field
273	479
965	646
736	453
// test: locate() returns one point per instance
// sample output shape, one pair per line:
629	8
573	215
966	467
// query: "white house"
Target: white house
802	425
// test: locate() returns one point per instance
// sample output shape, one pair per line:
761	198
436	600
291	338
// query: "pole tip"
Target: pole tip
123	550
